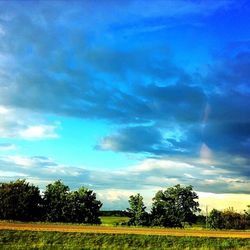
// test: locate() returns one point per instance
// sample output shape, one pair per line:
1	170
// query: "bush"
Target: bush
228	219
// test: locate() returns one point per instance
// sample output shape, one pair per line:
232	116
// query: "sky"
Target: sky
127	96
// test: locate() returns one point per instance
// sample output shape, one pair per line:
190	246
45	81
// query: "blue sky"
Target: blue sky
127	96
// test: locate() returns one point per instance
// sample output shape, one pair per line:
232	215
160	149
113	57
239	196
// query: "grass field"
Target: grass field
19	235
113	220
61	240
61	227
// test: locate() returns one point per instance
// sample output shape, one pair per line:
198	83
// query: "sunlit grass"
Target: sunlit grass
114	220
61	240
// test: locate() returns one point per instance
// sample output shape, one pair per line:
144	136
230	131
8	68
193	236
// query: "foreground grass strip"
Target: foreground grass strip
122	230
60	240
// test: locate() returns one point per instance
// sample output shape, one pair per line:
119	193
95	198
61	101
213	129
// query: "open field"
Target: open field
122	230
63	240
113	220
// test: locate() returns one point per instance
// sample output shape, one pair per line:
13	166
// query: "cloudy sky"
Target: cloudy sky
127	96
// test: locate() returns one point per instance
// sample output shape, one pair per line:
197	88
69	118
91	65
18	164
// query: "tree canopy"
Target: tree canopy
174	207
63	205
55	201
228	219
20	200
137	211
82	207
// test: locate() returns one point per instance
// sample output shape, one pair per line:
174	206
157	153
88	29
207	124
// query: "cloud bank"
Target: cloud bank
98	62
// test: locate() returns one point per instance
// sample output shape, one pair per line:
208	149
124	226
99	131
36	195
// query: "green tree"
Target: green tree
137	211
247	216
63	205
20	200
228	219
83	207
55	202
174	207
247	212
233	220
215	219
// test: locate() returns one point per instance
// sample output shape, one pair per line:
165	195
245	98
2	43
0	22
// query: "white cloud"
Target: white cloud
4	110
7	146
115	194
62	171
189	175
118	198
214	171
19	160
20	123
160	164
115	187
206	154
12	174
38	131
223	201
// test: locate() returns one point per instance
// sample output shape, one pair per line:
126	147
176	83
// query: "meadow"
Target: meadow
11	239
110	236
114	220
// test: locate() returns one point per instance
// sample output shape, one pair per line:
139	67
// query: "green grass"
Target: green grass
106	221
113	220
57	240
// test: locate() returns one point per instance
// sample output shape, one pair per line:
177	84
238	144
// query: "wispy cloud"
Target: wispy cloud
7	146
148	174
19	123
114	187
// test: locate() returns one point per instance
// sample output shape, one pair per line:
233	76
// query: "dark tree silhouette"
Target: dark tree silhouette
20	200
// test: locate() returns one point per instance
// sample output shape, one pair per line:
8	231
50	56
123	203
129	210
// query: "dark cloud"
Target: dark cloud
231	137
134	139
179	102
219	118
230	73
227	127
54	62
154	141
44	74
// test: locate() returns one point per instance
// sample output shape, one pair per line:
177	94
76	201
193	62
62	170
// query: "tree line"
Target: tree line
176	206
22	201
173	207
229	219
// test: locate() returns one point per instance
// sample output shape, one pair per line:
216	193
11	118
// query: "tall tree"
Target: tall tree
20	200
55	201
137	211
89	206
83	207
174	207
